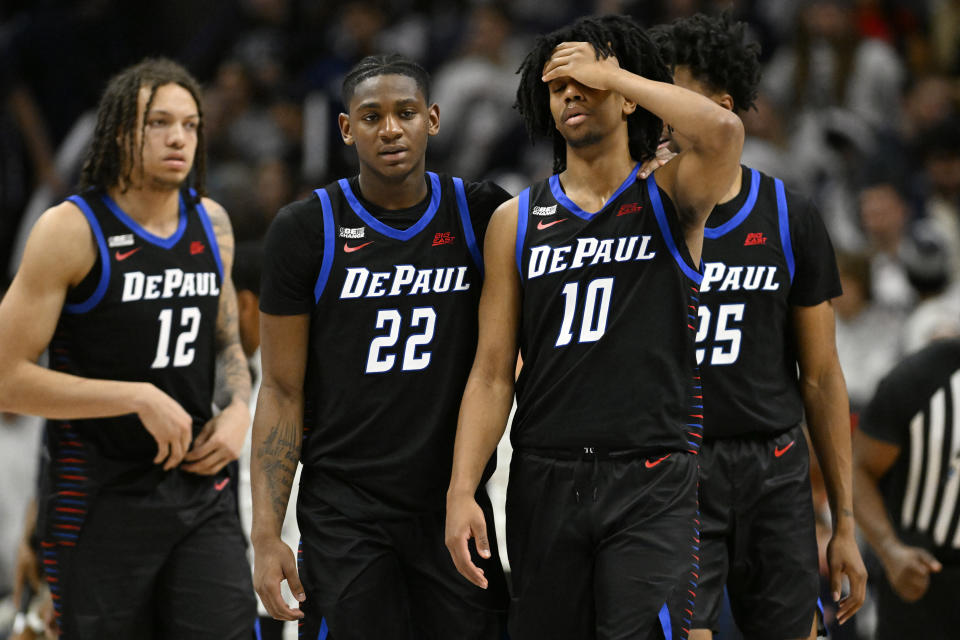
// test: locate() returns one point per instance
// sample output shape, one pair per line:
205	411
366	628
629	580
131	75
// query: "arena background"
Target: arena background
858	109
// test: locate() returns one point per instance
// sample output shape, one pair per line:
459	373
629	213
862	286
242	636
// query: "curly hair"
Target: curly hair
717	53
109	160
610	35
391	63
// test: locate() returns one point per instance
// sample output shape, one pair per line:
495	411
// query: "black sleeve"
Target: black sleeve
907	389
483	198
292	255
887	416
816	278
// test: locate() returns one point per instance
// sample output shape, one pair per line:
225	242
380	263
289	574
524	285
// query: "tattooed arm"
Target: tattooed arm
221	439
277	432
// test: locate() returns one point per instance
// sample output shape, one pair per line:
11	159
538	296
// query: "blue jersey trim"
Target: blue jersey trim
97	295
523	205
665	621
716	232
164	243
386	229
211	236
324	630
327	263
782	214
467	224
557	190
661	217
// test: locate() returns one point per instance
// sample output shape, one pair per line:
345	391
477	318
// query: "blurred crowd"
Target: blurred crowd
859	110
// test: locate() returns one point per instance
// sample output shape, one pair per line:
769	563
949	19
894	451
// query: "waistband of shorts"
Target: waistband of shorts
596	453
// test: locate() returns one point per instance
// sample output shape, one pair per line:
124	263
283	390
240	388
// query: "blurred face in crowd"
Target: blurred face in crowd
883	215
389	122
169	137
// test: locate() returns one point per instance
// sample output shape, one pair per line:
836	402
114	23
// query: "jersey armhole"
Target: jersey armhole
327	263
523	203
661	215
103	255
784	219
467	224
211	235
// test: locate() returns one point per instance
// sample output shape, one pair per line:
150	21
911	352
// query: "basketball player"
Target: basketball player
594	273
369	322
128	284
906	453
769	275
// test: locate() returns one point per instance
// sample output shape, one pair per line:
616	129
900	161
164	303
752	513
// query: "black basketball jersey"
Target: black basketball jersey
763	252
607	324
146	312
393	332
917	408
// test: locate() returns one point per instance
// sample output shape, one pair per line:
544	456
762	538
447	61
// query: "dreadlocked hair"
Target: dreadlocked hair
109	161
716	51
381	65
610	35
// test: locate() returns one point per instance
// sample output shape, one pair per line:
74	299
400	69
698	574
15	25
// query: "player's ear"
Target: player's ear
344	121
629	106
433	119
725	100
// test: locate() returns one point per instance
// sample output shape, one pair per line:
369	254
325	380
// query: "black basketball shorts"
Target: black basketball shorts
758	535
371	580
598	544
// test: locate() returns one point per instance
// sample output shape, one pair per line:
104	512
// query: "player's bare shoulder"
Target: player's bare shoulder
61	245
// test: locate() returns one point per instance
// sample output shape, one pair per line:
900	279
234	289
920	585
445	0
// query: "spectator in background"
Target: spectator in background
867	333
940	180
906	487
884	218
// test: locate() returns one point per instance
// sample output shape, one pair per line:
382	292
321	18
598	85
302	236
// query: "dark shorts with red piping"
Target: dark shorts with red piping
598	541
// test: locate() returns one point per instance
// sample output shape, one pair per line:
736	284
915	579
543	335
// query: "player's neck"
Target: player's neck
156	210
734	189
593	174
393	193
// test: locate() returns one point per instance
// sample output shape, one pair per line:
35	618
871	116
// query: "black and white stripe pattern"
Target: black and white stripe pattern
933	482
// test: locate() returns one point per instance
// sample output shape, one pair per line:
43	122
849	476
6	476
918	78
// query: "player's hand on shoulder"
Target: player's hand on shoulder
579	60
908	570
663	155
168	423
464	521
219	442
274	562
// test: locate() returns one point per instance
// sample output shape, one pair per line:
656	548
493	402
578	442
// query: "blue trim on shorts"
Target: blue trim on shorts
665	621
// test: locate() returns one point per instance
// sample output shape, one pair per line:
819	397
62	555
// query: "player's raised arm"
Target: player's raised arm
488	395
700	175
54	261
